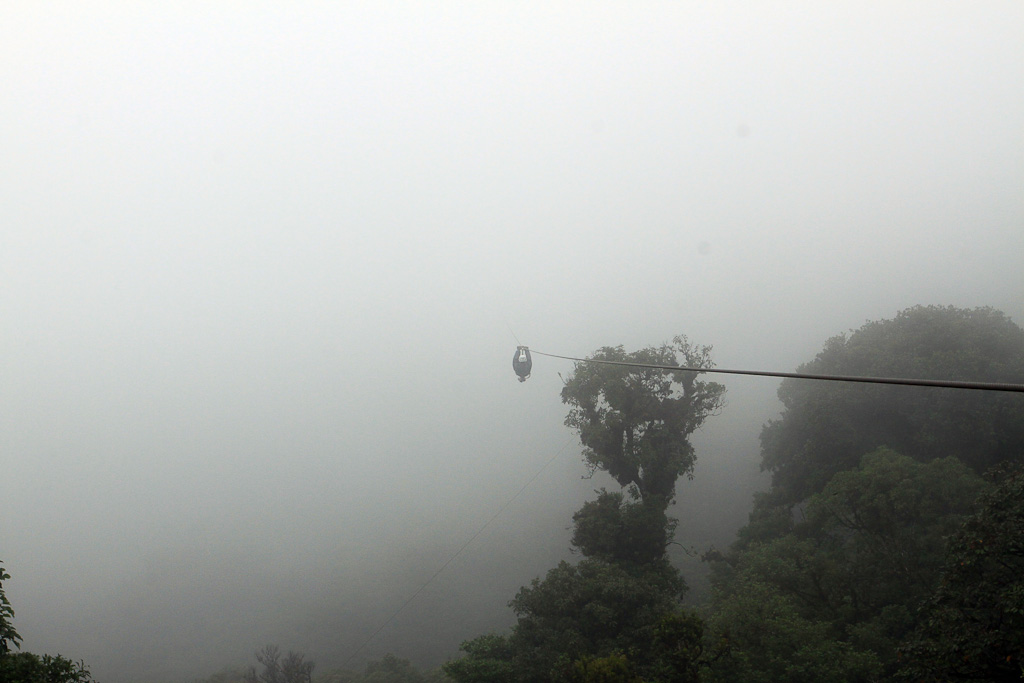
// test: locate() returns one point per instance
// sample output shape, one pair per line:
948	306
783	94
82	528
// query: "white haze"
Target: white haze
259	265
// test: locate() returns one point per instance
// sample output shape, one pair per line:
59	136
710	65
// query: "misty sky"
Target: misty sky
259	265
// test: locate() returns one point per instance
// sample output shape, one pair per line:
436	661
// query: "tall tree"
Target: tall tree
617	614
827	426
634	423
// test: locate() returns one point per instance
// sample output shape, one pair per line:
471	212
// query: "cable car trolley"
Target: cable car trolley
522	363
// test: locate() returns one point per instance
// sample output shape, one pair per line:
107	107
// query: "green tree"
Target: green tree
634	423
614	529
677	651
882	529
856	563
826	426
972	627
488	659
591	619
8	635
617	614
614	668
592	609
768	639
848	545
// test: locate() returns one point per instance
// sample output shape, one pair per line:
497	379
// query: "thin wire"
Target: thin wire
513	334
949	384
458	552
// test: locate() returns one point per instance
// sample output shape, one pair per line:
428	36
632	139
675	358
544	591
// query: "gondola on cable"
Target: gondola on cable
522	363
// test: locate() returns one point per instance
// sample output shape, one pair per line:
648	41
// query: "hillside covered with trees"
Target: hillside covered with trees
890	545
851	567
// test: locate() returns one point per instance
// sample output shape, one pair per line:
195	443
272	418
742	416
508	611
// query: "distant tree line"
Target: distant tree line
293	667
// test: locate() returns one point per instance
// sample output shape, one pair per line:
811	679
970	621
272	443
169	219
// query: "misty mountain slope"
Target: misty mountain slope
259	270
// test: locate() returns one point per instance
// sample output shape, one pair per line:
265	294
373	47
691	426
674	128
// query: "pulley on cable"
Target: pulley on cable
522	363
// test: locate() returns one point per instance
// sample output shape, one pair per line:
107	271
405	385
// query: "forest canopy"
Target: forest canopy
858	564
826	427
869	486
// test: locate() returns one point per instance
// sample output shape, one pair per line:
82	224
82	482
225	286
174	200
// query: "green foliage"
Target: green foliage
769	519
882	529
614	529
634	423
973	625
591	620
677	652
826	426
594	608
614	668
488	660
854	568
840	553
25	667
8	635
767	639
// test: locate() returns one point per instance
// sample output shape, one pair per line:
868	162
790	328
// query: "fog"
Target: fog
263	268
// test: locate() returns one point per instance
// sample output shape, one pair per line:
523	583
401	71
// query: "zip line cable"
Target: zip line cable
458	552
949	384
513	333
